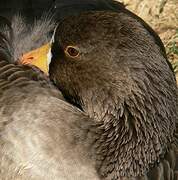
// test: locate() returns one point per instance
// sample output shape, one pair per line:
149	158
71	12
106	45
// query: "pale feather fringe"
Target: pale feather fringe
28	37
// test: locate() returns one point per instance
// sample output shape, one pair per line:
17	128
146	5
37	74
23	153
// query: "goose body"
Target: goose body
40	131
109	65
40	134
108	116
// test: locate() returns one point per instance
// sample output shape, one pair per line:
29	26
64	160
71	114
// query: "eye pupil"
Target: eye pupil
72	52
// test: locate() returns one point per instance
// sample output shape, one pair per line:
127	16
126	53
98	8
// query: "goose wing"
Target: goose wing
41	135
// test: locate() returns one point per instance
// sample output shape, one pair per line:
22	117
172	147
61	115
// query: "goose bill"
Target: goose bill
39	57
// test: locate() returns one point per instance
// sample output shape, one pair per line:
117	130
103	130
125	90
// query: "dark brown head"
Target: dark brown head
97	55
108	65
88	57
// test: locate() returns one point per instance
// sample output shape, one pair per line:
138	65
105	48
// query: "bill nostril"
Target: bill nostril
31	58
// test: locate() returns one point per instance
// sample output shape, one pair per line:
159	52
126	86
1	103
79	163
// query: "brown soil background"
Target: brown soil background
162	16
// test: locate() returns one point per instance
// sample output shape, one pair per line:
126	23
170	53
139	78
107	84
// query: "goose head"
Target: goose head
109	66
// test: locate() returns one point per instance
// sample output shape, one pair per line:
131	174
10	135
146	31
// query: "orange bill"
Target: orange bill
38	57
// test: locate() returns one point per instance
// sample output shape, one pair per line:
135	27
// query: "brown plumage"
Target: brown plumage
42	137
121	81
118	76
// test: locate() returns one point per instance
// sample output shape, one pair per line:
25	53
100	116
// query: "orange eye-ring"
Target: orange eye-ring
72	51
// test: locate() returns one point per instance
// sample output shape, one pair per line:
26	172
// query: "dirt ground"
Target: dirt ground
162	15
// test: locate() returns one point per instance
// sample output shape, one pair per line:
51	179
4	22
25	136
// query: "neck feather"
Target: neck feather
135	133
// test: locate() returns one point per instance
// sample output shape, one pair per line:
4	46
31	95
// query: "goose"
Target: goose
42	137
116	116
109	66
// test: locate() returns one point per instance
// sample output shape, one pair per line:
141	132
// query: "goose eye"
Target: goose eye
72	51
